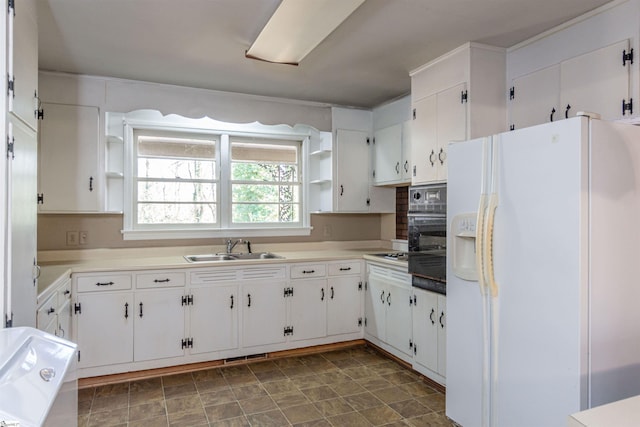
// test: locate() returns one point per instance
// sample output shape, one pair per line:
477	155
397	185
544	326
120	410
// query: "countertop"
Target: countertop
55	266
623	413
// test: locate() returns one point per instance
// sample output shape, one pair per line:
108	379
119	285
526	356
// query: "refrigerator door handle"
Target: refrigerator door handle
488	249
480	237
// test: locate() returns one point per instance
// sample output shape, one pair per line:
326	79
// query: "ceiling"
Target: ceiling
201	43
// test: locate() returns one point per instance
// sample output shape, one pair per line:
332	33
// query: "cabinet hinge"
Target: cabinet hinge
374	173
365	322
414	170
8	322
78	355
368	141
415	300
512	127
288	330
360	285
11	85
10	147
77	308
288	292
512	92
187	343
410	344
40	198
414	114
464	96
359	321
366	286
187	300
415	349
11	6
627	56
368	201
627	106
39	114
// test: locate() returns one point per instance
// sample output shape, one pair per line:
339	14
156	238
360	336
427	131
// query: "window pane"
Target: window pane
175	169
164	213
263	152
265	193
265	213
264	172
161	146
154	191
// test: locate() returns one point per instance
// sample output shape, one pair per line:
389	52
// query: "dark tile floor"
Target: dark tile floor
351	387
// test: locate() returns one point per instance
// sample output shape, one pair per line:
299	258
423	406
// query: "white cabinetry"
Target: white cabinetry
392	155
69	136
388	301
308	309
264	313
344	290
596	81
455	97
54	310
429	334
213	318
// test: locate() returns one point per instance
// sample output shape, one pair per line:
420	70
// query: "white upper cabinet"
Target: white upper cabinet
388	154
597	81
455	97
22	61
392	143
70	177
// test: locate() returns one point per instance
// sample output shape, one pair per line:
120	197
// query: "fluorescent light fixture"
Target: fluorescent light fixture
297	27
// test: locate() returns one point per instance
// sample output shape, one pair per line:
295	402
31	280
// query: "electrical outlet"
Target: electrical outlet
82	237
72	238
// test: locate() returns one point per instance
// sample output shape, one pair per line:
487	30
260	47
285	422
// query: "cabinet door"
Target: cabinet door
398	303
388	154
536	98
159	324
352	187
264	313
596	81
343	307
424	140
69	158
442	335
214	318
406	152
63	329
308	306
374	306
22	228
451	124
23	61
104	331
425	328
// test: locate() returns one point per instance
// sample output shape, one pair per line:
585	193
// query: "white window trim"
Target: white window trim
154	120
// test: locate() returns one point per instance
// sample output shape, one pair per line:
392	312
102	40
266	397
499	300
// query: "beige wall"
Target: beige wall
104	231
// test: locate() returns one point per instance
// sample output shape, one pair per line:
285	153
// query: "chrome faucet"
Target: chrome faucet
231	244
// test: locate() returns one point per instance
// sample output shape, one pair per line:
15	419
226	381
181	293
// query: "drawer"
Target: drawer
299	271
47	312
103	282
160	279
345	268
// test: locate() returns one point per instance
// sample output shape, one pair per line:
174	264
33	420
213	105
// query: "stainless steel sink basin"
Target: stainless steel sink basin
231	257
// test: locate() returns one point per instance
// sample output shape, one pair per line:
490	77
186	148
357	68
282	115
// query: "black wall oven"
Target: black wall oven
427	237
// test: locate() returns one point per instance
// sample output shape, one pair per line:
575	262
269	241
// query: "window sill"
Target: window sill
205	234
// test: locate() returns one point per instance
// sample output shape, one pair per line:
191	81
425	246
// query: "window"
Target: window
207	182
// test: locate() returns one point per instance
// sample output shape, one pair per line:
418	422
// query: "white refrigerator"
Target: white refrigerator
543	273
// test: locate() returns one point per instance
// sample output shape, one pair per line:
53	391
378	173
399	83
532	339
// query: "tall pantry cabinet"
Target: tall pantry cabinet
19	177
459	96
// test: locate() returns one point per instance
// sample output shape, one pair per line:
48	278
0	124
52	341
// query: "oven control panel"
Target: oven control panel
428	199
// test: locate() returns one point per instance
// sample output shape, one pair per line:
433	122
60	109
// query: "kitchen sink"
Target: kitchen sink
231	257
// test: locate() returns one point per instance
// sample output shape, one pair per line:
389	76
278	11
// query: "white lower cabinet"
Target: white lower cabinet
213	318
344	313
264	313
308	306
429	334
388	300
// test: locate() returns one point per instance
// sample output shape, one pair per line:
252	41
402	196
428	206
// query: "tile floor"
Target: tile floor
350	387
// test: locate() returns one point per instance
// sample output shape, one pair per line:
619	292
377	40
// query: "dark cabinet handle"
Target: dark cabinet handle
433	322
104	284
162	280
308	271
397	167
566	111
332	293
126	310
321	294
442	156
231	301
67	292
90	183
51	310
382	297
441	317
431	156
341	189
553	111
389	299
249	298
345	268
406	166
140	309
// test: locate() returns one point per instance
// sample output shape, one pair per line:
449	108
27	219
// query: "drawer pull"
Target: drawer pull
308	271
126	310
231	301
249	298
51	310
105	284
322	294
332	293
167	280
345	268
140	309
